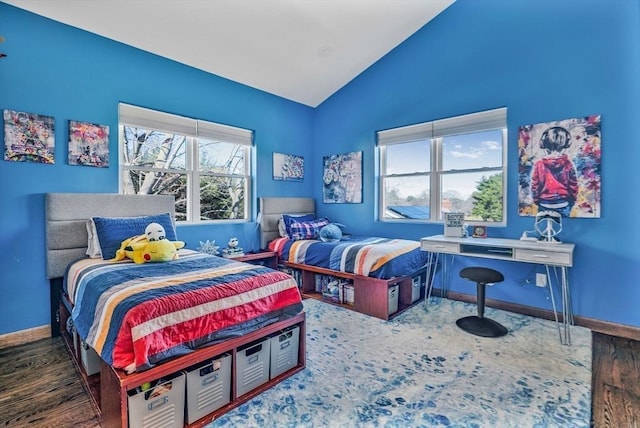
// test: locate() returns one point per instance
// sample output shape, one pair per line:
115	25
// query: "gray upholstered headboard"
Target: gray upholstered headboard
66	216
271	209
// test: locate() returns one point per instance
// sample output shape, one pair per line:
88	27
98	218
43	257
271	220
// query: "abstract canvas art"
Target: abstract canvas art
288	167
342	178
88	144
559	167
28	137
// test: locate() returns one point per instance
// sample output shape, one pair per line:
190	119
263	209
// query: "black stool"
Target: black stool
479	325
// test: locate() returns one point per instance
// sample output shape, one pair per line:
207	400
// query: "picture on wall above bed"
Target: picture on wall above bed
559	167
288	167
88	144
28	137
342	179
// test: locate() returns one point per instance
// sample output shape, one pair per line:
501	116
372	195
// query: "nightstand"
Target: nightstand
265	258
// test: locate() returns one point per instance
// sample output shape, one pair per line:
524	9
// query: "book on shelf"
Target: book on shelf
336	290
232	252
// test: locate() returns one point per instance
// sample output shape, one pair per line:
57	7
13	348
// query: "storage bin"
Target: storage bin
160	406
393	299
208	387
416	287
90	359
252	366
284	351
76	340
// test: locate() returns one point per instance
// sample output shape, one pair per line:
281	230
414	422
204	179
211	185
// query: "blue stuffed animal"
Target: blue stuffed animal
331	232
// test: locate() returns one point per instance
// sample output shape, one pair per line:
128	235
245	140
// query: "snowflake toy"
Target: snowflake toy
209	247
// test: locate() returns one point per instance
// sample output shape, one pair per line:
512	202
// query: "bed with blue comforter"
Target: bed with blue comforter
375	257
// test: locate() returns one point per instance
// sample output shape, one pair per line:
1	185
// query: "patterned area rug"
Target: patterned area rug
421	370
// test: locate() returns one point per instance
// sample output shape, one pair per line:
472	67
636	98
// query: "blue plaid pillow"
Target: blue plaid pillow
290	219
307	229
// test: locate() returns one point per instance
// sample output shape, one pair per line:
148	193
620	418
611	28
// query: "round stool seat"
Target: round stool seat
479	325
482	275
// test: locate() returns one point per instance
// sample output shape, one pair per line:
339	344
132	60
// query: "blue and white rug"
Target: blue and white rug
421	370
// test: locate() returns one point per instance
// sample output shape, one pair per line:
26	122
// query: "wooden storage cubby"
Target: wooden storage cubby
90	383
371	295
109	389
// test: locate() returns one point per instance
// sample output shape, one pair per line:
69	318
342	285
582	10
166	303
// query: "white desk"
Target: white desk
556	257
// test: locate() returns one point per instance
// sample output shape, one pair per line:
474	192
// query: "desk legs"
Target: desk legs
567	312
557	275
434	261
553	300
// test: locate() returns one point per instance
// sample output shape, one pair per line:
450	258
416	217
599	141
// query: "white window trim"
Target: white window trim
193	129
435	130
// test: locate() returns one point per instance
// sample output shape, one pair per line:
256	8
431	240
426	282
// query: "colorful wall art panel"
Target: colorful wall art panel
559	167
288	167
342	178
28	137
88	144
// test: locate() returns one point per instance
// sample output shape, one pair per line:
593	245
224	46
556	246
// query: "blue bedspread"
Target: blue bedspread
368	256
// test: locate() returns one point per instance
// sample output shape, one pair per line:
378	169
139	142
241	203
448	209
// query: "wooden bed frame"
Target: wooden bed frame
66	216
371	295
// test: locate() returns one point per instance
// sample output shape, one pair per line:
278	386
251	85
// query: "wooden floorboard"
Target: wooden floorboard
615	382
39	386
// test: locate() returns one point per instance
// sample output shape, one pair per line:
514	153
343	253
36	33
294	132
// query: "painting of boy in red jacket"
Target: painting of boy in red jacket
554	183
559	168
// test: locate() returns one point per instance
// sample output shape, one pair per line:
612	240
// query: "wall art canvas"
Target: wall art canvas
28	137
559	167
342	178
88	144
288	167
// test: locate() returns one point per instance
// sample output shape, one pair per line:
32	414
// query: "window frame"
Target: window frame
195	131
434	132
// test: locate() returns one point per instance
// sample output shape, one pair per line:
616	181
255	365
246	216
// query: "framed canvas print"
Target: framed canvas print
342	178
28	137
559	167
288	167
88	144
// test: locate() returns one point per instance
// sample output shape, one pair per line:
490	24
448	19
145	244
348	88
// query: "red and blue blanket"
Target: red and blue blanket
137	315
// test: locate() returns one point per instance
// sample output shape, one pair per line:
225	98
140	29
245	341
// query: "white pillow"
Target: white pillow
282	229
93	244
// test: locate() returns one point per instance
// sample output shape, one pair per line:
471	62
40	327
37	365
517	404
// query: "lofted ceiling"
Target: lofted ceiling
301	50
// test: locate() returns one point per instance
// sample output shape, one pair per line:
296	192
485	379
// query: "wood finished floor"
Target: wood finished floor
40	388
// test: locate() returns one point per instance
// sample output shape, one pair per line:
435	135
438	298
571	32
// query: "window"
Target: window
450	165
205	165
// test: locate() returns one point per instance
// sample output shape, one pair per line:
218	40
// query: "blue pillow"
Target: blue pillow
289	219
112	231
307	229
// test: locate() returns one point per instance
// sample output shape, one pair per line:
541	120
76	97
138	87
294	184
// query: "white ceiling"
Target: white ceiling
302	50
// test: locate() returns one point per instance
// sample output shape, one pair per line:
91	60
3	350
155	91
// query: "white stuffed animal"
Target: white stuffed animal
155	232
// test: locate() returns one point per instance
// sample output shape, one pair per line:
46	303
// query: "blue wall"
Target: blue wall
544	60
57	70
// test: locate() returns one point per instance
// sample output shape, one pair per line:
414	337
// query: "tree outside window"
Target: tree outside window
208	178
